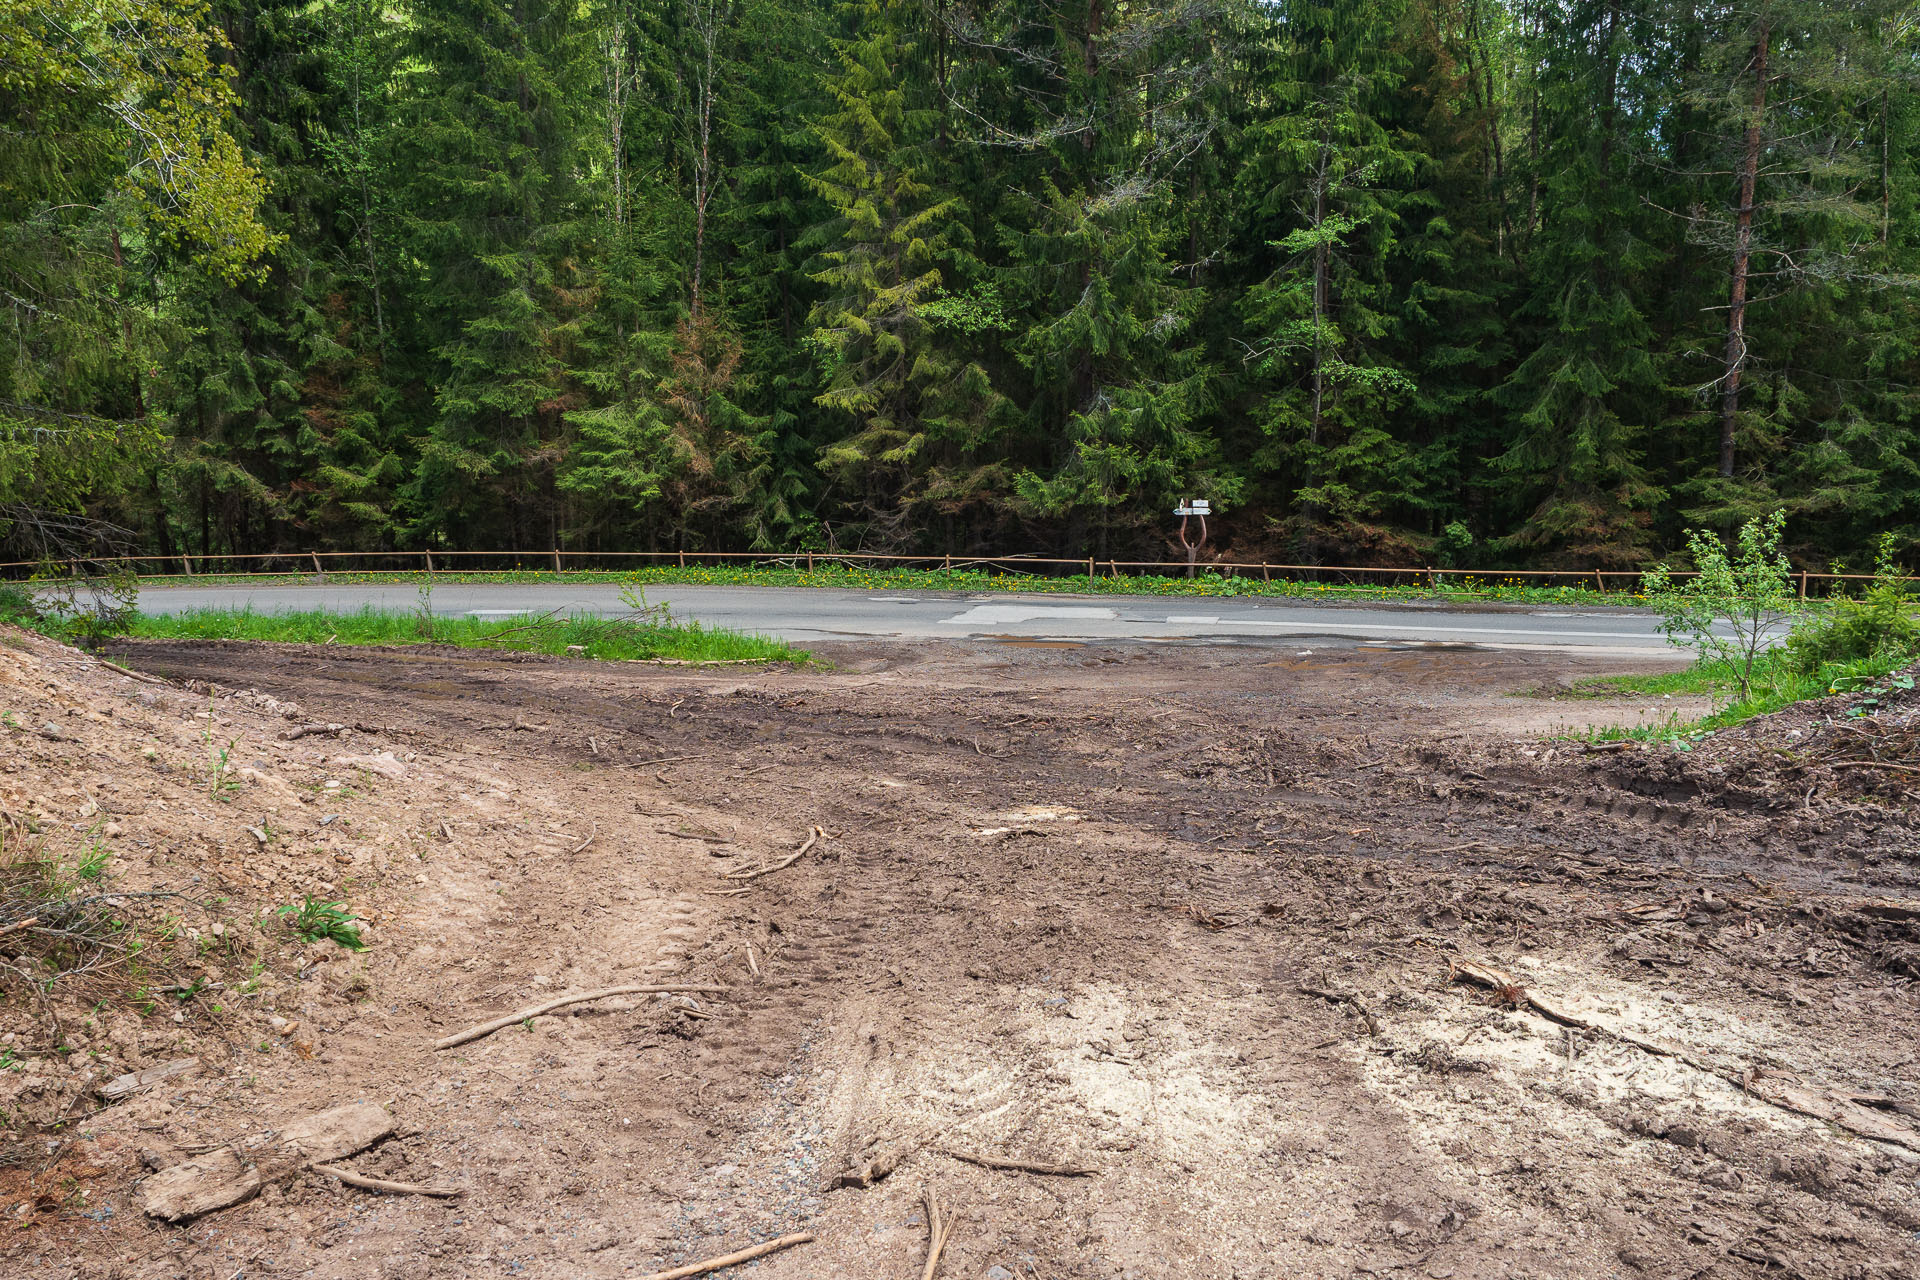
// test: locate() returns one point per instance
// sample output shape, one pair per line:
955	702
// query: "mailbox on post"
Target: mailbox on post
1193	508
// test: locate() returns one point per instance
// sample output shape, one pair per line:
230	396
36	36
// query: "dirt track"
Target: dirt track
1181	916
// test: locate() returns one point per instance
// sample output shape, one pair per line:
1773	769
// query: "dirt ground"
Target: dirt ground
1179	916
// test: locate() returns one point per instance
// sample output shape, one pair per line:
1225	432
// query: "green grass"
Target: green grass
609	639
1775	687
1448	586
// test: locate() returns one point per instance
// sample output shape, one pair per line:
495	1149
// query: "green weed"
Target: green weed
316	920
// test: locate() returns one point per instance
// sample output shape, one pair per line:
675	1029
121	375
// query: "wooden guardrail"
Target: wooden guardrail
557	561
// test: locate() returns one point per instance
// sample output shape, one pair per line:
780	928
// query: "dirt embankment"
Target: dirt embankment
1180	917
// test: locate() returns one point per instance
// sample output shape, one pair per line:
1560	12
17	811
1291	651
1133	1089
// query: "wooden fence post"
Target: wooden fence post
318	571
683	558
556	561
429	556
187	565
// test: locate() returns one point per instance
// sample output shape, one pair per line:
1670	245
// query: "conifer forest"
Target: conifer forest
1400	282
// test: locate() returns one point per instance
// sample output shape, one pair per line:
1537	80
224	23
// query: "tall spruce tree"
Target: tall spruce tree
499	151
917	407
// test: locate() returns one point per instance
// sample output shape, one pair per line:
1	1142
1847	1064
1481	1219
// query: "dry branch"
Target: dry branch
755	873
134	1081
731	1259
361	1180
939	1228
1023	1166
1872	764
137	675
561	1002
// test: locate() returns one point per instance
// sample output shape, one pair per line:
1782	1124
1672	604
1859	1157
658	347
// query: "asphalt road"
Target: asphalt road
810	615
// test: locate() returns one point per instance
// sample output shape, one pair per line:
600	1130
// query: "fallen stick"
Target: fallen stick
137	675
1022	1166
28	923
730	1259
362	1181
1872	764
561	1002
817	836
939	1227
643	764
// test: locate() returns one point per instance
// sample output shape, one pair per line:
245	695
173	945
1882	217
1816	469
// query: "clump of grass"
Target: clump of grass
316	920
581	635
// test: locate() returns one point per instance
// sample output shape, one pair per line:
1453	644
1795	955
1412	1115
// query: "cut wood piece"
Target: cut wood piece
340	1131
561	1002
134	1081
872	1168
1023	1166
732	1259
200	1185
231	1173
361	1180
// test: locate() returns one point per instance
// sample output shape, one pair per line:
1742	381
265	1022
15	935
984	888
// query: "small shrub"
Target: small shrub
1749	593
17	605
316	921
1882	624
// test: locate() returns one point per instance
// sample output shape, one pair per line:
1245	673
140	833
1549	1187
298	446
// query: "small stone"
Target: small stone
998	1272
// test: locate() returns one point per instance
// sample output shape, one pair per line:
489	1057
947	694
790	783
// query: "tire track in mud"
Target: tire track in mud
1045	992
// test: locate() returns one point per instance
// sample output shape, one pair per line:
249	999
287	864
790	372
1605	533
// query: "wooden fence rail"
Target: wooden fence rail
309	563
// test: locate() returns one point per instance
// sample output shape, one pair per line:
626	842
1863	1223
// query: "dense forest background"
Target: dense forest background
1390	281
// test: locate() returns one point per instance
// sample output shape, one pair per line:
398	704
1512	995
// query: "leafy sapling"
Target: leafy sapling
1736	606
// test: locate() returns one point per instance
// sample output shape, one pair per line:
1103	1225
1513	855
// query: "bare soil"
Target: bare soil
1179	915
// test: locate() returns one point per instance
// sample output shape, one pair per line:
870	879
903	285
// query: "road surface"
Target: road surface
806	615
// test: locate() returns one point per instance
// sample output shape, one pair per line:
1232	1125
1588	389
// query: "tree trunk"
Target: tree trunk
1736	357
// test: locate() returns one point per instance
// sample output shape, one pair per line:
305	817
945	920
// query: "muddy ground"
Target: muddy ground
1181	916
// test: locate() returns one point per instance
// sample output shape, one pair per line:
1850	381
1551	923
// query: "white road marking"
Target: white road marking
1192	619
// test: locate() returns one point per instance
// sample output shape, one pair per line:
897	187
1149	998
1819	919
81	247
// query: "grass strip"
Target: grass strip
580	635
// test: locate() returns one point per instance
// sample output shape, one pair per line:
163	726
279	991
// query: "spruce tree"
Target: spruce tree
917	408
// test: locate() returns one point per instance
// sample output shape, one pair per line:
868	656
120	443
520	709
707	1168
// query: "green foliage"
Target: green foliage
615	639
317	920
1404	282
17	605
1734	606
1882	624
